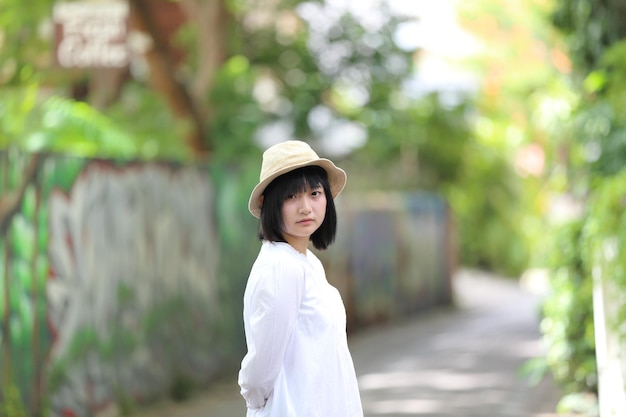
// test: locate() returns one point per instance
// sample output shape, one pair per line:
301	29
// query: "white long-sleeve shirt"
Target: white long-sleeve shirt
298	363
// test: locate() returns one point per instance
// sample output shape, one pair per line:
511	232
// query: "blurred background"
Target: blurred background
131	133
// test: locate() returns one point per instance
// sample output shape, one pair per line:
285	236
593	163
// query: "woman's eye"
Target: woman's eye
290	196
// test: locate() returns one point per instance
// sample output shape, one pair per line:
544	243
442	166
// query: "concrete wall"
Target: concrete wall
121	282
609	335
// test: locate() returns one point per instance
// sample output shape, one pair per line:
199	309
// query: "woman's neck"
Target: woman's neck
299	244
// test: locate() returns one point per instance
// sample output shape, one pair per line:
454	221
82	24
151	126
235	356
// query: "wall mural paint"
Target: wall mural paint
108	286
120	318
24	337
122	283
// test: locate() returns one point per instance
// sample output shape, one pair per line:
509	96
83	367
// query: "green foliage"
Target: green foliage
59	124
579	404
237	114
149	126
181	387
12	405
125	402
590	27
596	143
22	287
600	125
23	49
568	313
522	104
420	146
605	233
487	201
595	32
595	243
237	241
340	67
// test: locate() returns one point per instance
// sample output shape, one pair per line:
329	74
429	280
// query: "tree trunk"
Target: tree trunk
164	73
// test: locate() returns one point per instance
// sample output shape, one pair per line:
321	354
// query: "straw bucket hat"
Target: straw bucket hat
287	156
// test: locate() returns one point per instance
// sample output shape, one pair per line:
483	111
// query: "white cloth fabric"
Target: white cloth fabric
298	363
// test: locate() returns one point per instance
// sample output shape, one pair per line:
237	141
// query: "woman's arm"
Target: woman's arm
273	312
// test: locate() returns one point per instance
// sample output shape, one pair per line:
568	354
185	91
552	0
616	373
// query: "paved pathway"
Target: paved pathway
461	361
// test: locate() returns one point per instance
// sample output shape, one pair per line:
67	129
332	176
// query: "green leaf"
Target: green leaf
28	203
22	237
594	82
22	274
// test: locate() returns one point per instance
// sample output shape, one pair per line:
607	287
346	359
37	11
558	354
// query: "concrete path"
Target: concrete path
462	361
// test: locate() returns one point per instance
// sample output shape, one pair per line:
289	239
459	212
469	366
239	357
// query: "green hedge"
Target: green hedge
593	244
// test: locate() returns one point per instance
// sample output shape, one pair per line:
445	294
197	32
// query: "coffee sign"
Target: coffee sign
91	34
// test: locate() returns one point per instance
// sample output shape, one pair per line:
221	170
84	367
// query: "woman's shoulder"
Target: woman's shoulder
275	271
282	250
278	258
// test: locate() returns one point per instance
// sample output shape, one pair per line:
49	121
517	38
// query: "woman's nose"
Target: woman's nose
305	205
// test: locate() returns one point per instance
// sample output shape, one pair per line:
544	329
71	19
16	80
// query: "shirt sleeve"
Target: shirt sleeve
273	312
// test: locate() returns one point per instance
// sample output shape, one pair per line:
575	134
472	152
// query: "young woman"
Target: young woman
298	363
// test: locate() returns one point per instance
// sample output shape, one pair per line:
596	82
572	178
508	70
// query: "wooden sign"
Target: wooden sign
91	34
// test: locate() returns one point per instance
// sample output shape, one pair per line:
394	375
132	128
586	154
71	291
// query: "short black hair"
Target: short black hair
271	224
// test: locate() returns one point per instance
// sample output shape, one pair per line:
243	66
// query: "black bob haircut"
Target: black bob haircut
271	224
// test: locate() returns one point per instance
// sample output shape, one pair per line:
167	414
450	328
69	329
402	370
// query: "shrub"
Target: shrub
568	313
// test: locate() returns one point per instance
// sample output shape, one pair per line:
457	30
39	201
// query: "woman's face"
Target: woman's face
303	213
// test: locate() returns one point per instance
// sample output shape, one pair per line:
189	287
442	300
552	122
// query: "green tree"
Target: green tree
595	33
273	58
522	97
593	153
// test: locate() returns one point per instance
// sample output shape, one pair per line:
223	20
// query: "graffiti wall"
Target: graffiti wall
122	282
130	318
110	289
394	255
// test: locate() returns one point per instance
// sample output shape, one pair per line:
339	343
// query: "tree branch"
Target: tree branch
163	73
